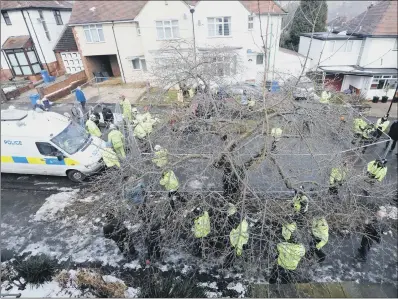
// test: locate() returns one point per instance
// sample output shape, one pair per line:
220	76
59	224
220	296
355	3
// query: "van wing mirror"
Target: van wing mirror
60	156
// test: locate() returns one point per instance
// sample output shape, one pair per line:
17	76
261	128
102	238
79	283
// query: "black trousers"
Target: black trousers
285	276
394	143
366	244
333	190
178	199
313	250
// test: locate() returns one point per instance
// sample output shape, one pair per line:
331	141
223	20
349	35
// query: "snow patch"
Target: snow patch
133	265
48	289
62	189
212	285
195	184
110	278
92	9
54	203
45	183
132	292
239	288
391	212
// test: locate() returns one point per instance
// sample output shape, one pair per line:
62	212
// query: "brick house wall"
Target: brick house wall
5	74
61	66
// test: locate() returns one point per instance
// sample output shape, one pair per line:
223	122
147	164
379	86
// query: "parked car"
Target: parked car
304	90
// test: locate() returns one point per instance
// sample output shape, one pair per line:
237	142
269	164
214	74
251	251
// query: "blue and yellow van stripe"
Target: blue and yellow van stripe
37	161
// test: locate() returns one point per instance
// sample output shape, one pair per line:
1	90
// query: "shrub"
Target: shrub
36	269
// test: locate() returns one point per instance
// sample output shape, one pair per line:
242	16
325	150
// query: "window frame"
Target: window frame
163	27
58	17
19	65
395	47
140	64
262	59
58	152
347	48
96	27
250	21
224	66
333	42
388	80
216	23
44	24
6	18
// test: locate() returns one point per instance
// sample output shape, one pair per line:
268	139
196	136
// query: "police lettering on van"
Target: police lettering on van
13	142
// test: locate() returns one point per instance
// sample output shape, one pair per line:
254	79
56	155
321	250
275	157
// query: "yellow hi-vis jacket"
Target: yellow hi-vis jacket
320	229
382	126
325	96
239	237
170	181
201	227
276	132
378	172
288	229
300	201
367	132
110	158
126	107
359	125
251	103
160	158
139	131
289	255
116	138
92	128
147	126
337	176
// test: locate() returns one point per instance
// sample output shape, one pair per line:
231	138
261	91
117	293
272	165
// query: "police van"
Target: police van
47	143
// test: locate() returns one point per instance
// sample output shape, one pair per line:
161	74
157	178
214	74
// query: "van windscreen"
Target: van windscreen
72	138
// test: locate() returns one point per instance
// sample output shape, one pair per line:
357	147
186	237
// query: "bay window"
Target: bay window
23	62
384	82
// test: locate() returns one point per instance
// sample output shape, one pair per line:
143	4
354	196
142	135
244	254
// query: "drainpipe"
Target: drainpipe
41	50
118	54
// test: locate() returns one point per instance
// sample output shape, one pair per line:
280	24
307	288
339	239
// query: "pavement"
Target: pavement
325	290
380	109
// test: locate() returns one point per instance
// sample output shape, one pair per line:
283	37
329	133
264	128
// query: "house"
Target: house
124	38
361	55
29	31
67	53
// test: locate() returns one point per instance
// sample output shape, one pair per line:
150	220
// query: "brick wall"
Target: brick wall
80	76
88	67
61	67
115	66
5	74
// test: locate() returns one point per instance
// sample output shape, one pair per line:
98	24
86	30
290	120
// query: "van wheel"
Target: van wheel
75	176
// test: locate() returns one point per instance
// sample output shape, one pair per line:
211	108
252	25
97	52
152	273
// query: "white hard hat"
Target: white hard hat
157	147
93	117
38	102
134	110
112	127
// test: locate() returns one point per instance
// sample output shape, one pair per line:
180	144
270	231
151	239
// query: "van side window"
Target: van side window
47	149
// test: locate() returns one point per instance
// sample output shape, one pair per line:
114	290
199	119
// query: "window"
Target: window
349	46
167	29
395	48
224	66
93	33
250	23
260	59
219	26
72	139
23	61
6	17
331	45
136	64
384	82
46	149
43	22
58	18
139	64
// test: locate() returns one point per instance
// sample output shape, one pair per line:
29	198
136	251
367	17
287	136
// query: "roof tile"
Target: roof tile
380	19
85	12
17	42
67	41
9	5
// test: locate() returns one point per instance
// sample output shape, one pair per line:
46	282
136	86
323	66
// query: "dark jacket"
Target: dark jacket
374	229
107	114
115	230
393	133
